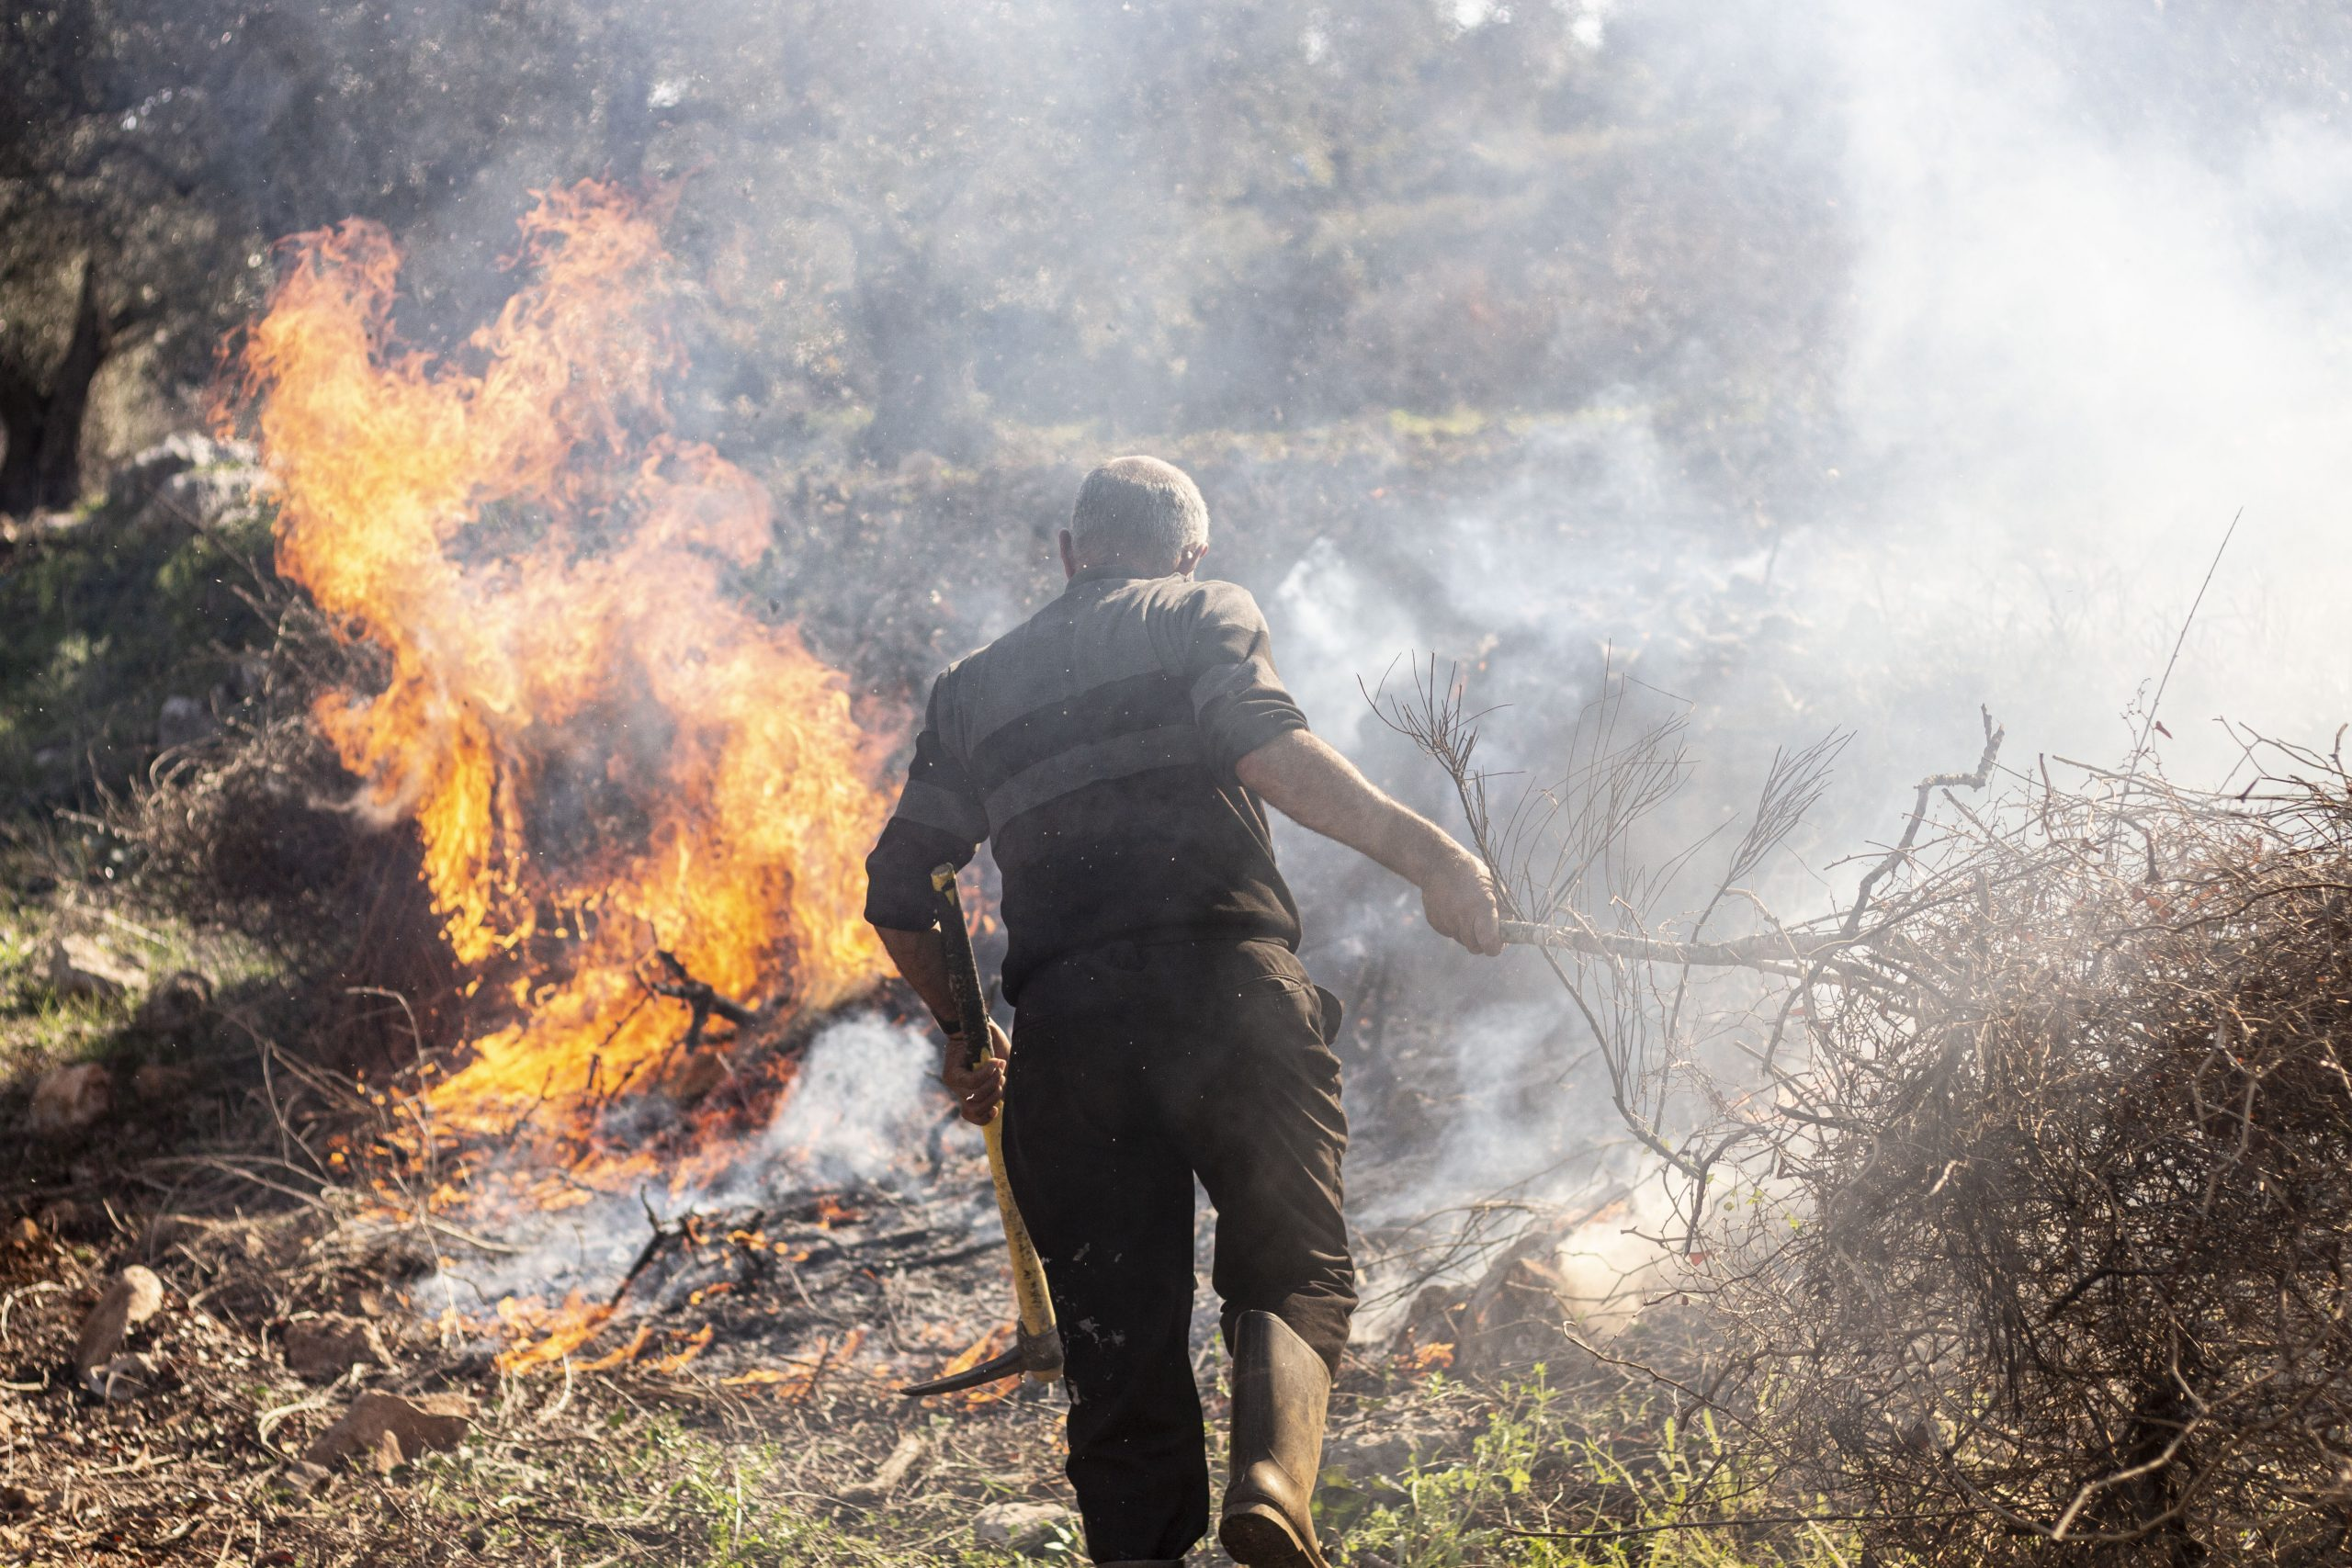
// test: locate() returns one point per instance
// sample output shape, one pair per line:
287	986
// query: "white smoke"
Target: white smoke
2077	344
2072	344
859	1113
860	1108
2078	353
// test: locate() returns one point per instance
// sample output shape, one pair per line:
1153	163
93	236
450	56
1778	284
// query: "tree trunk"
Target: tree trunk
42	467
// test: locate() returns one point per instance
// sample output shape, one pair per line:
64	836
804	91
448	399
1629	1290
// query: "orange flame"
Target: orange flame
989	1344
562	1330
799	1378
695	1344
604	753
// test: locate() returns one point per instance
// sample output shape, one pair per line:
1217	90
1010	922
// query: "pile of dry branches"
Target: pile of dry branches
2021	1189
2074	1190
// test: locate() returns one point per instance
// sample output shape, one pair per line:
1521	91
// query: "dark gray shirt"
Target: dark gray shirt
1094	745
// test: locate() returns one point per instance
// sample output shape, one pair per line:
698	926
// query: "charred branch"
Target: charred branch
703	1000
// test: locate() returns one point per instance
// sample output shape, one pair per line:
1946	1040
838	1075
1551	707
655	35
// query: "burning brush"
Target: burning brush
643	810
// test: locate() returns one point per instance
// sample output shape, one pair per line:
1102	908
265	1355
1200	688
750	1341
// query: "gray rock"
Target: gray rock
72	1099
135	1295
186	480
321	1349
891	1474
1022	1526
81	968
173	455
388	1431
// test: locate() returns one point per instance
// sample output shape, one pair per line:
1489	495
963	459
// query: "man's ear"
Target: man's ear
1070	555
1190	559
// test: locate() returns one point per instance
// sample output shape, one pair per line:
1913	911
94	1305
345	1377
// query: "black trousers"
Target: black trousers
1135	1068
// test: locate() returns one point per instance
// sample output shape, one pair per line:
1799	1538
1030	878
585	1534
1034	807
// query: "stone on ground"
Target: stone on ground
322	1349
1020	1526
81	968
391	1430
135	1295
71	1100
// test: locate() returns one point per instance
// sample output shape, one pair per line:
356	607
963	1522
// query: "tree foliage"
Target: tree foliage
918	225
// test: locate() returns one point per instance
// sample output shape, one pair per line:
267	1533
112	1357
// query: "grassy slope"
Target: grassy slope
103	618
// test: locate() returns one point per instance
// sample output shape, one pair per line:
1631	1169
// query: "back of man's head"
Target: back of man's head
1140	513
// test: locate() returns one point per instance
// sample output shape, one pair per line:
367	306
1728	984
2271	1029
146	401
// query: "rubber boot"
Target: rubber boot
1280	1389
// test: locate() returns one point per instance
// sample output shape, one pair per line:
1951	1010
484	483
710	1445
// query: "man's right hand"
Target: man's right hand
1458	896
977	1089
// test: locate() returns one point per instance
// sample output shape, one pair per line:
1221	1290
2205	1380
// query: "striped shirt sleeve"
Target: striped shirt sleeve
938	819
1238	700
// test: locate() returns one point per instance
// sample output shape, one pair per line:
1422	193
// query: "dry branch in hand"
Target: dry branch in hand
1765	953
1573	882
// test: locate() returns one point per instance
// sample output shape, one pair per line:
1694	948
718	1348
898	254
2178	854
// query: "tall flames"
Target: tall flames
607	759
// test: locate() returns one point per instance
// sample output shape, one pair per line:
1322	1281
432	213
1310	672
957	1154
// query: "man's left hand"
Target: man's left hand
1459	901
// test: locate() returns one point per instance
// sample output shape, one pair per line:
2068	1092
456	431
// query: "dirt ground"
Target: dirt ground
735	1400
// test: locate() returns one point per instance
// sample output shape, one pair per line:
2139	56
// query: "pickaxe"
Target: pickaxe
1037	1344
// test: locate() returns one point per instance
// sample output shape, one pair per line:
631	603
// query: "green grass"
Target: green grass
633	1485
1548	1465
37	1030
101	622
652	1490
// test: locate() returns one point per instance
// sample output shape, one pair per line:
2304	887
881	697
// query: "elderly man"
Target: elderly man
1116	747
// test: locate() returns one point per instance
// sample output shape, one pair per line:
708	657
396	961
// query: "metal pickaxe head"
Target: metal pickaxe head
1039	1354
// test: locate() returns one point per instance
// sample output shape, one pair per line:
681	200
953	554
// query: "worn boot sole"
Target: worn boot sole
1259	1537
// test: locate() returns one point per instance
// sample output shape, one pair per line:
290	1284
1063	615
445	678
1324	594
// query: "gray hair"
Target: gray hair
1137	511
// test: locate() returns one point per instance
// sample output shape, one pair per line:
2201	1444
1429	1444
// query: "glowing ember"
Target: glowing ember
695	1344
607	758
832	1211
543	1338
989	1344
795	1380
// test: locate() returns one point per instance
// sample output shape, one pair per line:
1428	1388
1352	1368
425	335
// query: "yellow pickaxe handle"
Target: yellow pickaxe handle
1041	1343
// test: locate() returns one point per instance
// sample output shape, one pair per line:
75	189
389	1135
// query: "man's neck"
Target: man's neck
1116	571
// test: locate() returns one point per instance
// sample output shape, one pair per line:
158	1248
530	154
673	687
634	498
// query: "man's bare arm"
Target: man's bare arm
1316	787
924	969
